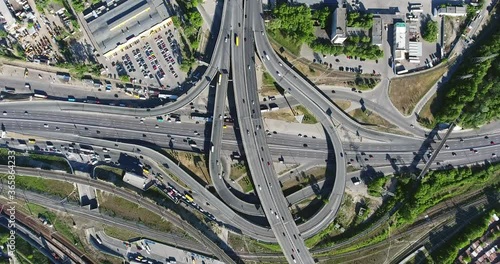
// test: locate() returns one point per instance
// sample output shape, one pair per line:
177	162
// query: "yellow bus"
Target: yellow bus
189	198
220	78
237	41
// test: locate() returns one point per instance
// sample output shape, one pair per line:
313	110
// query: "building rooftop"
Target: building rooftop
453	10
135	180
377	31
338	24
400	36
415	49
115	25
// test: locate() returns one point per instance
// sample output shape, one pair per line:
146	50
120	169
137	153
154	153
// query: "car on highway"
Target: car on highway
45	125
4	113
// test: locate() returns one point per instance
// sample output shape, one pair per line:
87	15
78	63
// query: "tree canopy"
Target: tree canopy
294	22
321	15
473	92
357	19
353	46
430	31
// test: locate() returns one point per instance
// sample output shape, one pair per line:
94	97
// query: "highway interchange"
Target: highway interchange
90	124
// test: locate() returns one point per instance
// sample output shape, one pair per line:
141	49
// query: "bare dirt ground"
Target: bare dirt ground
405	92
451	30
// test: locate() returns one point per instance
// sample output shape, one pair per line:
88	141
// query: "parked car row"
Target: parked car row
142	64
128	63
166	55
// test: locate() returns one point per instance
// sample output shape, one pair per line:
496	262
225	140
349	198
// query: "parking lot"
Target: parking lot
153	60
389	11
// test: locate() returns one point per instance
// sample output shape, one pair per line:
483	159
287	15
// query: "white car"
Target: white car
4	113
105	150
45	125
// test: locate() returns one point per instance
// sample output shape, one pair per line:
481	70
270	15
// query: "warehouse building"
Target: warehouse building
399	41
117	24
452	11
137	181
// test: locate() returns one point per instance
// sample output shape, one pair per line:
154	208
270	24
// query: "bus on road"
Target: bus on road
237	40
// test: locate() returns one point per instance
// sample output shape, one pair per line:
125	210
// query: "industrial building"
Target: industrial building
452	11
414	51
338	34
137	181
114	25
399	49
377	31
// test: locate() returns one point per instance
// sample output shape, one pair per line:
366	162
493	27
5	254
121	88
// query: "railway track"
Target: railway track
438	216
61	243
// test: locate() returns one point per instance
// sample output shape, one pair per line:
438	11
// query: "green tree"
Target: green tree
78	5
321	15
357	19
430	31
472	93
3	33
294	22
125	78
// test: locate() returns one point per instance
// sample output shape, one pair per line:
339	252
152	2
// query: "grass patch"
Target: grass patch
308	117
237	170
290	45
53	187
195	164
118	207
370	118
62	223
344	217
267	79
245	244
343	104
269	86
109	173
45	162
405	92
246	184
309	177
302	65
25	253
120	233
281	114
425	117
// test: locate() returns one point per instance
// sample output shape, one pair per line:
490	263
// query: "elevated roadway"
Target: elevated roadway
254	141
314	102
214	147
